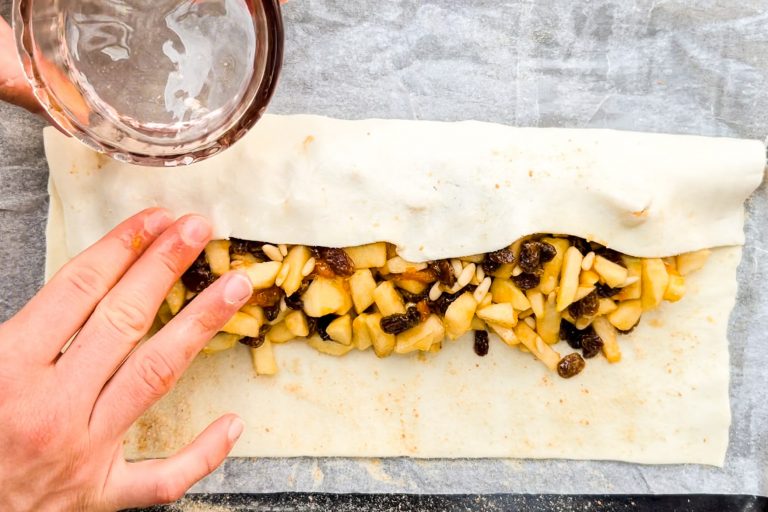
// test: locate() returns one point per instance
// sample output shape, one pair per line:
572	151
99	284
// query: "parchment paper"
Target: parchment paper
678	66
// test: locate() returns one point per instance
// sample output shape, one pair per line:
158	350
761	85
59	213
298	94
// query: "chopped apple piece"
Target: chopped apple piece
675	289
361	338
398	265
411	285
504	271
325	296
297	323
458	316
569	278
256	312
536	298
477	324
221	342
263	275
297	257
368	256
361	285
612	273
264	359
584	322
583	291
388	300
607	333
243	325
330	348
499	314
536	345
606	306
655	281
504	290
634	271
176	297
340	330
506	334
548	324
589	278
473	258
692	261
217	254
421	337
280	333
383	343
551	274
627	314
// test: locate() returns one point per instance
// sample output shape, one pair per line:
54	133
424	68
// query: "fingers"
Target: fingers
14	87
126	313
152	370
142	484
56	313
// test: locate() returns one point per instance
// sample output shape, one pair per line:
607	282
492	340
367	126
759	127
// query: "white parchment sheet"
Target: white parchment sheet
695	67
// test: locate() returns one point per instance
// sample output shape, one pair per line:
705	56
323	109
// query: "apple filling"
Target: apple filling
532	295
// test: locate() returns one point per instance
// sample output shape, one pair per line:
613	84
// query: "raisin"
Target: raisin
323	269
611	255
587	306
444	272
322	325
605	291
413	297
238	246
398	323
489	266
591	343
271	312
311	326
502	256
570	334
570	366
548	252
526	281
294	302
440	306
199	276
481	343
338	260
533	254
266	298
581	244
257	341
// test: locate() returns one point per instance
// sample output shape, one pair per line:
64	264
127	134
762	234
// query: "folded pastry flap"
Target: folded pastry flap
434	189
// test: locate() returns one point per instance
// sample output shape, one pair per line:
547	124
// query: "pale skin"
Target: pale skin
66	414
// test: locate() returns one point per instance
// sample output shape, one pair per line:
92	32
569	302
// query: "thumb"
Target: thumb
142	484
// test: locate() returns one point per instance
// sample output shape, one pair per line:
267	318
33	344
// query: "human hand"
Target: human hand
65	415
14	87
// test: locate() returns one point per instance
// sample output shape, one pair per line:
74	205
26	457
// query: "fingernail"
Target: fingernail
237	289
195	231
157	222
235	429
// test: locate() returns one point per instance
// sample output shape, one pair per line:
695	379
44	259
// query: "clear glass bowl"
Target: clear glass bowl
152	82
